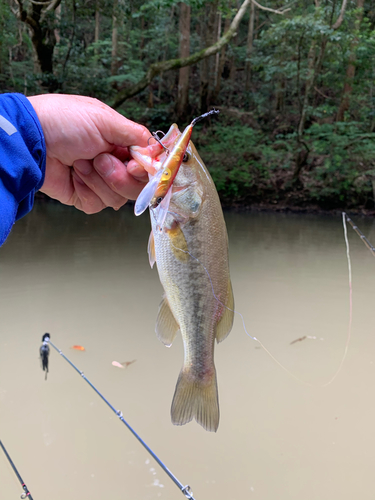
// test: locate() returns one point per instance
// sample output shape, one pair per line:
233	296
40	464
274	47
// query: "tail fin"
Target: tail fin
196	399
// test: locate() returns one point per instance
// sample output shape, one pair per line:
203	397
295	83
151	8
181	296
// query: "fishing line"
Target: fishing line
350	303
26	493
345	219
242	318
257	340
184	489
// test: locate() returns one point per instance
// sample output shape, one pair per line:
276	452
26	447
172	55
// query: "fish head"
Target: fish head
188	190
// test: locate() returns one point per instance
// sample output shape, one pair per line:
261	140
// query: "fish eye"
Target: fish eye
186	157
159	200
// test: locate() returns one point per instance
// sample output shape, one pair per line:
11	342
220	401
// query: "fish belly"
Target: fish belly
196	289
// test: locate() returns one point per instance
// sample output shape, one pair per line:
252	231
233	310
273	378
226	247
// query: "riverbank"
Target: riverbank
261	207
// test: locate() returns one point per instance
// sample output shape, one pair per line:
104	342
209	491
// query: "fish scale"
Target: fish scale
191	286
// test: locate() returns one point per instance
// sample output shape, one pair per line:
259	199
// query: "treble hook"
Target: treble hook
155	136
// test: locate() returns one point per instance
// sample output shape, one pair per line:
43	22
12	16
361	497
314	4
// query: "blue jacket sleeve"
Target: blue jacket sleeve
22	159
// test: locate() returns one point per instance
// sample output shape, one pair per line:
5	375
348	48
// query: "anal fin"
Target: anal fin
166	325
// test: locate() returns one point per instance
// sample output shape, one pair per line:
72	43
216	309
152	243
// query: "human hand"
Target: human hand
88	161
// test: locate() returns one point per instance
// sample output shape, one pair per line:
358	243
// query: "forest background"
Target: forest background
295	84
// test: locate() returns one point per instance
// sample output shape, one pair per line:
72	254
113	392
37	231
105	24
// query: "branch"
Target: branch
53	5
321	93
23	16
270	10
157	68
21	13
341	15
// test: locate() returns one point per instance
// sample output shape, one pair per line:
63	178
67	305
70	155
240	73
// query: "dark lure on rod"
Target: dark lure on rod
44	353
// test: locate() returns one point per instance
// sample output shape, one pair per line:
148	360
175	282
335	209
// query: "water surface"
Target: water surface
87	281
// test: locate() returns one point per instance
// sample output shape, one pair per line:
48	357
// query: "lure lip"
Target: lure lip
144	199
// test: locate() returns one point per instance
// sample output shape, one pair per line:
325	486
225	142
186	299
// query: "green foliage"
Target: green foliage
248	166
254	150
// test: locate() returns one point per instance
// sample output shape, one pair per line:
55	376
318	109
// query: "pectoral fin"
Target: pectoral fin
226	321
166	325
151	250
178	243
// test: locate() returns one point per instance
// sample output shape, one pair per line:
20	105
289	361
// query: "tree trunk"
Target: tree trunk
280	94
58	23
350	70
97	22
72	35
217	56
97	27
43	40
208	32
303	152
57	31
249	47
184	51
221	63
204	65
41	25
308	86
114	53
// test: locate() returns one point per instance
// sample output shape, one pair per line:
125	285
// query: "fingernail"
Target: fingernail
104	165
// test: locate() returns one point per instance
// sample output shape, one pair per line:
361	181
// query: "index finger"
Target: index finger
120	131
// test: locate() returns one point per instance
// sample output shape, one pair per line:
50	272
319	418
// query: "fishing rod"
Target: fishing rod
26	493
360	234
186	490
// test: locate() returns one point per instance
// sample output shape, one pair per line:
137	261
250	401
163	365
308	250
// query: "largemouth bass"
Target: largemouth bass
191	252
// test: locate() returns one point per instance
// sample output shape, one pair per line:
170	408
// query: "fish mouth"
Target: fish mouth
152	157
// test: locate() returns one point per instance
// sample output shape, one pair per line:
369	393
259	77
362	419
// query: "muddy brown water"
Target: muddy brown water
87	281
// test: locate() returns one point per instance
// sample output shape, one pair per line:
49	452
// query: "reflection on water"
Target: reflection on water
87	281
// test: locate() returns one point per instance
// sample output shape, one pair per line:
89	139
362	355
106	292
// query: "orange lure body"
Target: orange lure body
171	166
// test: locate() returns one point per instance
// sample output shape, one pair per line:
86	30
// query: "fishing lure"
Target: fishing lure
160	185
